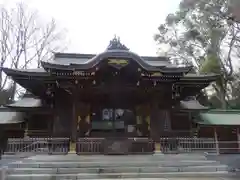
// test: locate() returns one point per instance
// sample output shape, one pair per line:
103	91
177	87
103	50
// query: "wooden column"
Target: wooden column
74	123
26	129
3	140
88	119
138	120
154	125
74	117
238	138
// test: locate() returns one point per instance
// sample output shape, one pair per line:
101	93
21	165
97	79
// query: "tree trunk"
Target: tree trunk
222	94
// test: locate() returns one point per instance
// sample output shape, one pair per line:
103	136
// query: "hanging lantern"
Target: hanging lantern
234	6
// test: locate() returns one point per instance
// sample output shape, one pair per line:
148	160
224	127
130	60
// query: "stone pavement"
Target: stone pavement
192	178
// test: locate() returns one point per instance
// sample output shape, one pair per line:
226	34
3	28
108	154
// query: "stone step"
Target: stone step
221	174
101	170
74	164
73	157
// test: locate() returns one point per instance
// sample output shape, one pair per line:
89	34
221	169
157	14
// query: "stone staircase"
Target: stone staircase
112	167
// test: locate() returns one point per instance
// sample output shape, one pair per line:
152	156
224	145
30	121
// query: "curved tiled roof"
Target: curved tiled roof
77	62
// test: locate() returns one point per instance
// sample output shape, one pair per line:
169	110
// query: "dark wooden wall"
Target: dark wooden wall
63	115
180	121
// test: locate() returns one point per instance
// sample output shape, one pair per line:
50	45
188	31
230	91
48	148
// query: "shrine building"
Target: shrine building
116	93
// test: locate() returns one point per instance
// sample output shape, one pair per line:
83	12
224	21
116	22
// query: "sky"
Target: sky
91	24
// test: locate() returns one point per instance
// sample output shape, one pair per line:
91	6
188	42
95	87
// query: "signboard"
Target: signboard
118	63
156	74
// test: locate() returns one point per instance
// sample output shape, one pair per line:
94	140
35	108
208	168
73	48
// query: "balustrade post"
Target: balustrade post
216	140
3	175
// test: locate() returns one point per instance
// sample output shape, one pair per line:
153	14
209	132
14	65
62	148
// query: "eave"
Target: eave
33	81
26	72
219	118
192	105
30	74
198	78
26	102
8	116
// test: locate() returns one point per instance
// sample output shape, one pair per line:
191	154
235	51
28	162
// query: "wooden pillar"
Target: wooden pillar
190	124
216	140
138	120
2	140
238	138
74	123
88	121
74	120
154	125
26	129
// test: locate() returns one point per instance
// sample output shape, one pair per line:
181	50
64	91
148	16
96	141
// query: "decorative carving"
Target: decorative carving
115	44
176	90
115	146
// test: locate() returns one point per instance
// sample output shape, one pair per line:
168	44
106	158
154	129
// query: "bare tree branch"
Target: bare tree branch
25	40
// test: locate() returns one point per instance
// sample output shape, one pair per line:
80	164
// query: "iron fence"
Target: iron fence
184	145
38	145
118	145
114	146
228	147
90	146
142	146
187	145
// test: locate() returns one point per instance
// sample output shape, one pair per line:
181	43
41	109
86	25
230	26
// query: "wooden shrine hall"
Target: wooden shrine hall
116	93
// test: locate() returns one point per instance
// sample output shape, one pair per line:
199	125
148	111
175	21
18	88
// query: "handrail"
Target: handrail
27	146
30	146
